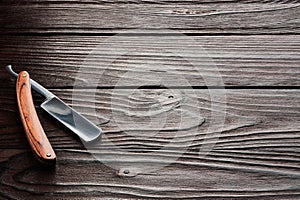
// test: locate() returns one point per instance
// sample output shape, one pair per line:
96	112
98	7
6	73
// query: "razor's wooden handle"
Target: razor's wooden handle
33	128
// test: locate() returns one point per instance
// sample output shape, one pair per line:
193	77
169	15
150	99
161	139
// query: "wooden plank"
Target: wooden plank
256	154
54	61
77	175
260	132
98	17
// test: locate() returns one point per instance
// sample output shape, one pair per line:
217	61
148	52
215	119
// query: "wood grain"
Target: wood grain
158	143
55	61
251	122
256	153
99	17
89	179
34	131
180	2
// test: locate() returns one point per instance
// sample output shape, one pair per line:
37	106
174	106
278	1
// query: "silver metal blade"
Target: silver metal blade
81	126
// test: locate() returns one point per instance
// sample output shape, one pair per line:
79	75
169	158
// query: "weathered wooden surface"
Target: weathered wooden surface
155	139
55	61
256	154
101	17
77	175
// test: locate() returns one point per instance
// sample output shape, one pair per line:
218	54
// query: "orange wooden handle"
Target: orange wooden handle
33	128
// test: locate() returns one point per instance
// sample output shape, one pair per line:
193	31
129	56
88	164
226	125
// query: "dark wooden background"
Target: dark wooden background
254	44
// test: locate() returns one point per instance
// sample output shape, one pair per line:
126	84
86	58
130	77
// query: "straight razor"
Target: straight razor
66	115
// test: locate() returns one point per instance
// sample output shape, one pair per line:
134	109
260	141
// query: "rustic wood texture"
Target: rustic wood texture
256	153
176	139
34	131
54	61
100	17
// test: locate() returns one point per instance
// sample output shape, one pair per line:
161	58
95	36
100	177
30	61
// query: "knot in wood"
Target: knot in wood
125	173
